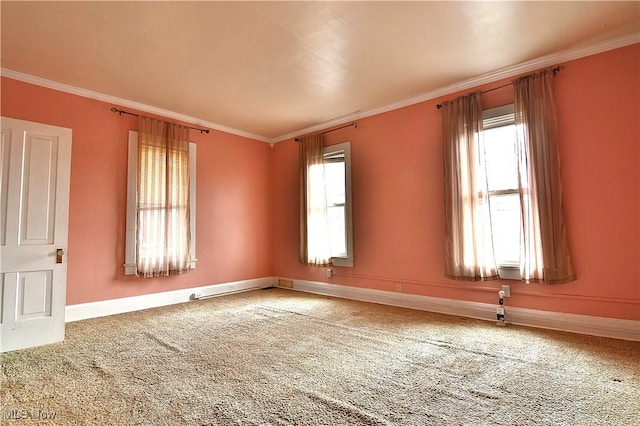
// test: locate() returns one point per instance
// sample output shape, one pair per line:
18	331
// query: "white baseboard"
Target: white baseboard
583	324
136	303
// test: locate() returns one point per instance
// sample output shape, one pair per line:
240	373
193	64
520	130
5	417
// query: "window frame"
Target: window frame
131	219
344	147
492	118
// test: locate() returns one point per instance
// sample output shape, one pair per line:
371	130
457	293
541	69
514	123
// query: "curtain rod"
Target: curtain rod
554	70
120	112
354	124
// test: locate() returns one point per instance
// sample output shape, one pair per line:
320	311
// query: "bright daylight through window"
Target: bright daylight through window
153	246
501	166
337	161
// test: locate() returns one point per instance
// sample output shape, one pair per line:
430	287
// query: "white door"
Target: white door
35	164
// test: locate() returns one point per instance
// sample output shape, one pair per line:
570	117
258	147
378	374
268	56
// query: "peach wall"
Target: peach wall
398	197
233	230
247	198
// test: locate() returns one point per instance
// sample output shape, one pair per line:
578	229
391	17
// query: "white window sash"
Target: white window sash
348	259
492	118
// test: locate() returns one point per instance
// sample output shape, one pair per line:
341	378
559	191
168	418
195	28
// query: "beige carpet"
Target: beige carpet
278	357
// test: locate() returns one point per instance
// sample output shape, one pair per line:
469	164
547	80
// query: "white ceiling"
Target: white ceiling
275	68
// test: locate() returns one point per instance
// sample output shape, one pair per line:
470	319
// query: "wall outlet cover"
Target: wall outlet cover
507	290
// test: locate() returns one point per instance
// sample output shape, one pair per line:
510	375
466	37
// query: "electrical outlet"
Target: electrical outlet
507	290
232	287
196	296
399	287
329	273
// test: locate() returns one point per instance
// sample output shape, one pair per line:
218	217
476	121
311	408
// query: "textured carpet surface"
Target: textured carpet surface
278	357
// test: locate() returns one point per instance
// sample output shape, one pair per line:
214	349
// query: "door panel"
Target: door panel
36	160
34	294
38	190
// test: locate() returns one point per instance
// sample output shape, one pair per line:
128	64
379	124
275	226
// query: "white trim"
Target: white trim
583	324
130	240
86	93
345	148
129	304
544	61
192	204
512	71
498	117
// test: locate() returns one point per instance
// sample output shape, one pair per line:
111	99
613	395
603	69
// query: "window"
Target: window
337	172
501	167
151	246
479	160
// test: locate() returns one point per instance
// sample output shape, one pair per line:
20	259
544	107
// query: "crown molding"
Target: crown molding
542	62
50	84
512	71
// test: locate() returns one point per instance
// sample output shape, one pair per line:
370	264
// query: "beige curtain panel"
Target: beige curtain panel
545	252
544	255
163	228
314	235
469	253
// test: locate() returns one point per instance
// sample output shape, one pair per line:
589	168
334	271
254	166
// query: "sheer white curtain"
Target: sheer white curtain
544	249
163	228
469	253
314	225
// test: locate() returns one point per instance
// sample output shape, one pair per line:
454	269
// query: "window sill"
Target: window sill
509	273
342	261
131	268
